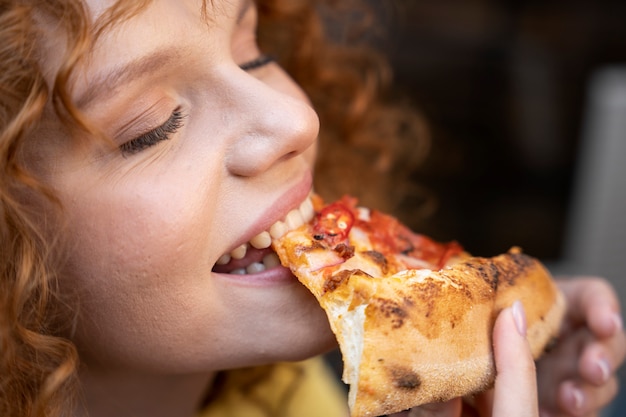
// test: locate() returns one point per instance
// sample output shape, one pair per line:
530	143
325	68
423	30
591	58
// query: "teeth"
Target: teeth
255	267
224	259
261	241
239	252
307	211
294	219
269	261
278	229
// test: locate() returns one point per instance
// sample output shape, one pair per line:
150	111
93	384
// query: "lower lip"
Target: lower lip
277	275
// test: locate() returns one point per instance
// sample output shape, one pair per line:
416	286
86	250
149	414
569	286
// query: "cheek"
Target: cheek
134	262
132	235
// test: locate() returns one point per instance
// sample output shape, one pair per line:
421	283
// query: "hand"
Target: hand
577	377
515	392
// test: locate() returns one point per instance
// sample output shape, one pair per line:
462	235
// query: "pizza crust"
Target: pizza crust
415	336
425	336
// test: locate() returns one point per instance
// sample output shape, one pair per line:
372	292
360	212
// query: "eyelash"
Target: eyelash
261	61
151	138
175	122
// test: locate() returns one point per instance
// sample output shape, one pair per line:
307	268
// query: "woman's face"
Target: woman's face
209	156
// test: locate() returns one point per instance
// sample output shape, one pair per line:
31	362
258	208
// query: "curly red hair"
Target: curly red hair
368	146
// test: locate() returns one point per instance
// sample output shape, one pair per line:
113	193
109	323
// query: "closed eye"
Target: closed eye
258	62
159	134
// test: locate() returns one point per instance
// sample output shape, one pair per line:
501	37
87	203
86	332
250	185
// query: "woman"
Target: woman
146	148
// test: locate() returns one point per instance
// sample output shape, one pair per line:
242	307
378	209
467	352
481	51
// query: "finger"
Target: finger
515	393
561	363
581	360
581	400
450	408
599	360
592	302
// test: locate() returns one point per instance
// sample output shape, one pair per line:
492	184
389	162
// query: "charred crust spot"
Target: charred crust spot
345	251
488	272
512	270
378	258
319	236
315	245
502	271
334	281
392	311
405	379
427	293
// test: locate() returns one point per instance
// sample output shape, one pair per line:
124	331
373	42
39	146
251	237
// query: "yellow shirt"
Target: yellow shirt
301	389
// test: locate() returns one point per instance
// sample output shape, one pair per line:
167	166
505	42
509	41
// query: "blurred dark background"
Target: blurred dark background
503	85
526	104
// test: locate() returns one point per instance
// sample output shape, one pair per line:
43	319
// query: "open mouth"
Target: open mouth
257	255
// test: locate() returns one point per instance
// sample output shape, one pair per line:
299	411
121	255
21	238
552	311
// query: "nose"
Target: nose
275	122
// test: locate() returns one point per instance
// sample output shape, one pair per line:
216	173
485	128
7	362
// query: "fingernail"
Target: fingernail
578	398
605	369
519	316
617	322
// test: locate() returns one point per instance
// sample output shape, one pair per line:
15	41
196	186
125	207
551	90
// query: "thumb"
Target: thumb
515	393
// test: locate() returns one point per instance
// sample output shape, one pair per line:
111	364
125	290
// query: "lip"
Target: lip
289	200
276	275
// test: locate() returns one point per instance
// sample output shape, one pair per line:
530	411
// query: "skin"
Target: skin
142	231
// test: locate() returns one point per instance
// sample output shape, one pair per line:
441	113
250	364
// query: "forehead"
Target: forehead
145	38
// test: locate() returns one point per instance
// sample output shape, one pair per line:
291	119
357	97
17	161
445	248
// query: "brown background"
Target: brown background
504	87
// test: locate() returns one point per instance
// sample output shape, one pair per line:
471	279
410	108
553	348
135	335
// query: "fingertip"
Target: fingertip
595	365
617	324
605	322
604	368
572	398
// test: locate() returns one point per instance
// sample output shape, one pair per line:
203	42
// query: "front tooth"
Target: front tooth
306	208
294	219
271	260
261	241
224	259
278	229
255	267
239	271
239	252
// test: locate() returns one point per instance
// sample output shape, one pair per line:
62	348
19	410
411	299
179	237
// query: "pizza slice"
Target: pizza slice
413	317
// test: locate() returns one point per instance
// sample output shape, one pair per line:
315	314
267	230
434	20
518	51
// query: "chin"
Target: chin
313	339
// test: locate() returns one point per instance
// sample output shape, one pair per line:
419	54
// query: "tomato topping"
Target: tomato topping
334	221
388	235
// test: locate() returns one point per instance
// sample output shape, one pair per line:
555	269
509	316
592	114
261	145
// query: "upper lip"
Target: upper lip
289	200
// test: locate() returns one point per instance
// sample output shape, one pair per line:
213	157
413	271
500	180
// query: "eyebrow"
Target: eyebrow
106	84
